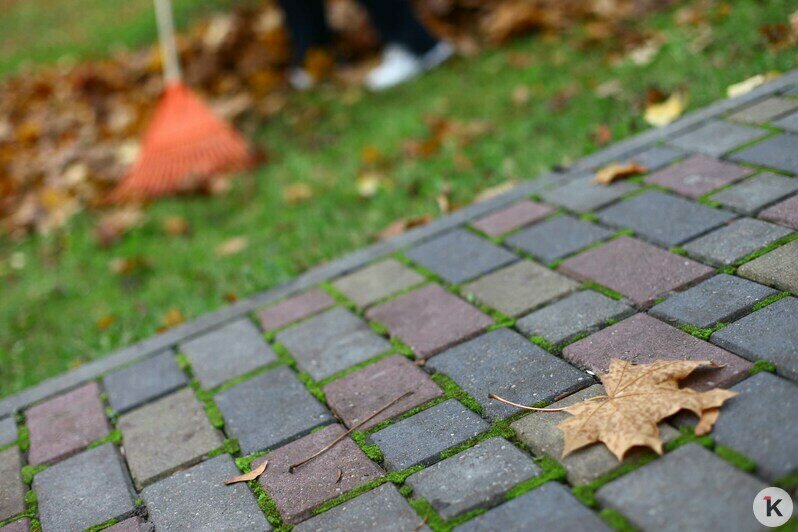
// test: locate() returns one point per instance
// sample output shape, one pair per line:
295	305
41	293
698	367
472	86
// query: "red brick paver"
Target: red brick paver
512	217
295	308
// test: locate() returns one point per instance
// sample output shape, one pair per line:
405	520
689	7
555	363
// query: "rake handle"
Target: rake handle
166	36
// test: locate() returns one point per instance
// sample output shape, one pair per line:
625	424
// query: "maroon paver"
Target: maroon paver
297	494
637	270
295	308
643	339
356	396
430	319
515	216
783	213
134	524
21	525
66	424
698	175
12	490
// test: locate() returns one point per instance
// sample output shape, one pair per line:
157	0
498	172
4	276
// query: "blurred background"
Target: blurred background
535	85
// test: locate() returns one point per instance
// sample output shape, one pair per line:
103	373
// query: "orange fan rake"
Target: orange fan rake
186	145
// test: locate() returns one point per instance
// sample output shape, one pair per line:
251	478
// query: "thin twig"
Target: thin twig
524	407
421	525
348	432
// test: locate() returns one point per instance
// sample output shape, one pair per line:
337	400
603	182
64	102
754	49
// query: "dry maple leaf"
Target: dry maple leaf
246	477
616	171
637	398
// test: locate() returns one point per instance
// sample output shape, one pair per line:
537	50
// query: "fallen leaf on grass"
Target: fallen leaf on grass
297	193
494	191
637	398
400	226
105	322
175	226
368	184
746	86
246	477
616	171
663	113
602	135
171	319
232	246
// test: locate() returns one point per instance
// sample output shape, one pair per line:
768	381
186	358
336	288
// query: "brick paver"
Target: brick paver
151	433
145	381
331	342
770	333
710	491
643	339
382	508
269	410
658	157
197	499
788	123
664	219
512	217
297	494
505	363
733	242
294	309
549	507
430	319
776	268
377	281
358	395
459	256
720	299
637	270
132	524
557	238
8	431
20	525
474	478
420	439
85	490
66	424
583	312
583	195
765	110
751	195
780	153
717	138
520	287
783	213
12	490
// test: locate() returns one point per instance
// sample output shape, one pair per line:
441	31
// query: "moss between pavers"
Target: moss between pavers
735	458
452	390
339	298
769	301
31	509
601	289
102	526
767	249
703	334
762	365
229	446
586	493
115	437
616	520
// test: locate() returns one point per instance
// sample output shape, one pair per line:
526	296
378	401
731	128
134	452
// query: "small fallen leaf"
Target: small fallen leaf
663	113
398	227
340	475
246	477
171	319
497	190
521	95
232	246
297	193
105	322
616	171
113	226
175	226
368	184
746	86
602	135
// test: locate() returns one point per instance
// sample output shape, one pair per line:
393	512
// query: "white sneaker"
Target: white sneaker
398	65
300	79
440	53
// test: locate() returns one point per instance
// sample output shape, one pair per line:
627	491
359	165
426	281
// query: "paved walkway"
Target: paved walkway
527	296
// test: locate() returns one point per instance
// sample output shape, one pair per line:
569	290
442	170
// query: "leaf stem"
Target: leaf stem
524	407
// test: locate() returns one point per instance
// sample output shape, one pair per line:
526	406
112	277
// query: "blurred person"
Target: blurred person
410	49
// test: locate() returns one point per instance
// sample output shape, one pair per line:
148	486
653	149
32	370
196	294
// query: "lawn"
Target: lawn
63	304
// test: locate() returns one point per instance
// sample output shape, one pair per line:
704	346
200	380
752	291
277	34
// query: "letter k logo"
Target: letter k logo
772	506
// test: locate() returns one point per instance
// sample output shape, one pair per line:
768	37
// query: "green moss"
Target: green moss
245	377
266	504
762	365
115	437
452	390
349	495
244	463
372	451
553	265
587	492
340	298
229	446
589	217
542	342
767	249
355	368
552	471
184	364
769	301
23	438
788	483
29	471
703	334
678	250
601	289
623	232
312	386
283	355
102	526
429	516
735	458
616	520
687	435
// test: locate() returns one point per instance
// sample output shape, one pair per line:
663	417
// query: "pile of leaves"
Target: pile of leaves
68	132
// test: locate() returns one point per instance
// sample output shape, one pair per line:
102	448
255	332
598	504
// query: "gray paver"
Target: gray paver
550	507
720	299
717	138
539	432
270	410
332	342
698	175
227	353
474	478
688	489
789	123
197	499
658	157
558	237
430	319
294	309
421	438
585	311
783	213
582	195
382	508
12	490
377	281
770	333
761	424
358	395
132	524
643	339
20	525
664	219
8	431
520	287
730	243
85	490
512	217
780	152
507	364
297	494
144	381
765	110
776	268
459	256
170	433
637	270
751	195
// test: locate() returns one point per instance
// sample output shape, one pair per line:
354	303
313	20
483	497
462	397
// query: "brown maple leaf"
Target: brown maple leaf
616	171
637	398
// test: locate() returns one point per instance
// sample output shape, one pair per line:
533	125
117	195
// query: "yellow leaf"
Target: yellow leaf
616	171
746	86
368	184
297	193
171	319
246	477
232	246
663	113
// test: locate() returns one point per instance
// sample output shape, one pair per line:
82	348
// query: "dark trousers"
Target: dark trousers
393	19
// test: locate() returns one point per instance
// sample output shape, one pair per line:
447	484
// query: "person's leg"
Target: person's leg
397	23
307	25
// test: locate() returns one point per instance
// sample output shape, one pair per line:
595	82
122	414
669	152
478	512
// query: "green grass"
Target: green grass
50	309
